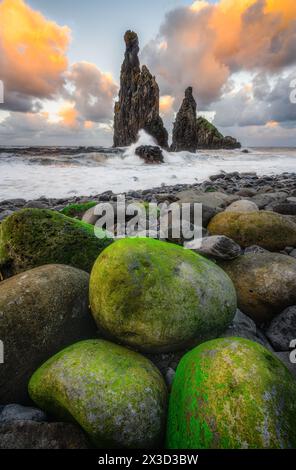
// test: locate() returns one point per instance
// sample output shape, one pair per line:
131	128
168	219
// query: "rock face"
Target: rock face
35	237
232	393
190	133
150	154
41	311
265	283
156	296
267	229
138	104
32	435
116	395
185	130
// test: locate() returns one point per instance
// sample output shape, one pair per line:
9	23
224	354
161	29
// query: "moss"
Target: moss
231	394
156	296
34	237
117	396
77	210
203	123
266	229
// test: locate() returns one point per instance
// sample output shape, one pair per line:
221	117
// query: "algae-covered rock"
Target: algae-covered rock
116	395
267	229
155	296
41	312
265	283
232	393
34	237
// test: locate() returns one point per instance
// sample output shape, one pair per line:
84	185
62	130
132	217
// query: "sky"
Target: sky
60	64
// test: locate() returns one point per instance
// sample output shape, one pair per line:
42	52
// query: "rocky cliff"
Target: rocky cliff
138	104
191	133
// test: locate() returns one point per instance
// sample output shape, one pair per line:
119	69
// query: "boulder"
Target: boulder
116	395
150	154
31	435
285	208
282	329
33	237
285	357
232	393
155	296
265	283
215	200
217	247
242	206
138	104
264	199
266	229
41	311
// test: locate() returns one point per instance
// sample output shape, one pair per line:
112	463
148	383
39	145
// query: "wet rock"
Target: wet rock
282	329
217	247
150	154
185	131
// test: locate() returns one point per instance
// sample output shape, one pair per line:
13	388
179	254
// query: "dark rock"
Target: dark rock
138	104
243	326
35	205
282	329
32	435
255	249
285	208
150	154
21	413
285	357
245	151
5	214
218	247
185	132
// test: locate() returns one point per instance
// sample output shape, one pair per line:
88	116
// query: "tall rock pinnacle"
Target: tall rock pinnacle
185	132
138	104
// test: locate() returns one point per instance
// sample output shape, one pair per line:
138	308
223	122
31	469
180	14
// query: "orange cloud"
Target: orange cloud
88	124
166	104
32	50
68	115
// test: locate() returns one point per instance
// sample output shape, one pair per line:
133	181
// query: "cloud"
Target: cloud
92	91
205	44
32	55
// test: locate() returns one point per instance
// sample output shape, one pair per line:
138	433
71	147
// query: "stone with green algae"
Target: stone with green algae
116	395
232	394
34	237
155	296
263	228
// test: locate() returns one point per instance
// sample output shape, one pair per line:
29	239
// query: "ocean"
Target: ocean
62	172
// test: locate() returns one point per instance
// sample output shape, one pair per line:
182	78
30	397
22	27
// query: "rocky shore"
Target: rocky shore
122	344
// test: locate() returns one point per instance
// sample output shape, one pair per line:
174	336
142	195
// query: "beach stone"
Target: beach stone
293	253
232	393
31	435
217	247
243	326
282	329
117	396
5	214
264	199
35	205
157	297
215	199
35	237
41	311
16	412
246	192
242	206
285	208
254	249
266	229
265	283
150	154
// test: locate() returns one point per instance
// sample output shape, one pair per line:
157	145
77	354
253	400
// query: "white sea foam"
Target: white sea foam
65	172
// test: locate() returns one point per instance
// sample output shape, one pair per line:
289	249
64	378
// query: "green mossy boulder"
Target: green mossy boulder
116	395
232	394
265	283
155	296
41	311
35	237
266	229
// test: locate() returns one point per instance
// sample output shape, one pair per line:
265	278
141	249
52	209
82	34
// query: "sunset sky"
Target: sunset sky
60	63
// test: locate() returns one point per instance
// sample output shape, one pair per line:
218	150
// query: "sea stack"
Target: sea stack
185	131
138	104
191	133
